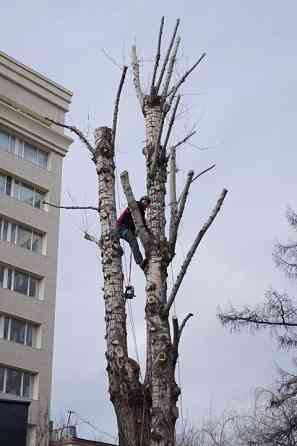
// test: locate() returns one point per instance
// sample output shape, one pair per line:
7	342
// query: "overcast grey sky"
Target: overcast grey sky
243	101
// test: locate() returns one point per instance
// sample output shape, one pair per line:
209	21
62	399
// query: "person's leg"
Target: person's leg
132	240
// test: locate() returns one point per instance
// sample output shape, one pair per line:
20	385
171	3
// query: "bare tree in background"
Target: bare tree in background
146	410
279	311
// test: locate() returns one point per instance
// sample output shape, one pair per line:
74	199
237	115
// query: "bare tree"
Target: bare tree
146	410
278	312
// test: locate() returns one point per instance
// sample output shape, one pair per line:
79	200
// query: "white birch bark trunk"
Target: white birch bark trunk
159	368
126	392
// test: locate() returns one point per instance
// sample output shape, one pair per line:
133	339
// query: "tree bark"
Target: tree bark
159	366
125	389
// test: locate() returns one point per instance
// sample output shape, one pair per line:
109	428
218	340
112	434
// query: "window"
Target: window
5	184
28	194
20	281
18	330
21	191
9	143
16	382
21	235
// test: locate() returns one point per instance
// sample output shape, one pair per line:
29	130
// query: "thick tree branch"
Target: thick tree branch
75	130
116	106
92	208
136	78
184	77
172	190
192	251
178	215
171	67
167	56
158	55
144	236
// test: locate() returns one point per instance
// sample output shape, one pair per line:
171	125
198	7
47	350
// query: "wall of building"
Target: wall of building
26	97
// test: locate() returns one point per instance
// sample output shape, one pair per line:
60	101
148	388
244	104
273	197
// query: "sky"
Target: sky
242	102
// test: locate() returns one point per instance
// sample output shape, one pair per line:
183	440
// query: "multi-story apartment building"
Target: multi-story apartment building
31	156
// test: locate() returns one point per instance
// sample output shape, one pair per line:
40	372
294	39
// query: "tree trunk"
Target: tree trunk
126	391
159	370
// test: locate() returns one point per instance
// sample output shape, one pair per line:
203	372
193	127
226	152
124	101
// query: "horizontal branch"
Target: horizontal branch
136	77
116	106
75	130
192	251
144	236
226	319
184	77
92	208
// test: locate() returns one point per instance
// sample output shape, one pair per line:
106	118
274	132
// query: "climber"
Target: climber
127	230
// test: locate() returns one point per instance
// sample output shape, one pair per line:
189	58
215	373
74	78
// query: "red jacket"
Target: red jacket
125	220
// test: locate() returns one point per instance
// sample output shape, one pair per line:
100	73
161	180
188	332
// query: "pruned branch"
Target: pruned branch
144	236
92	238
184	77
177	332
192	251
158	55
179	214
171	67
116	106
75	130
136	78
167	56
79	208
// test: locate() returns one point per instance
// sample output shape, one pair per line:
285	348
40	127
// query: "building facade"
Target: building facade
31	156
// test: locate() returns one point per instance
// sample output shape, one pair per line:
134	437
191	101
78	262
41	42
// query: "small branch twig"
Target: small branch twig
144	236
184	77
171	66
179	214
136	78
92	208
184	323
171	122
186	138
75	130
116	106
203	172
167	56
192	251
158	55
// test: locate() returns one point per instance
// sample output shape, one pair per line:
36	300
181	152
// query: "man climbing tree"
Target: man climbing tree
127	230
145	407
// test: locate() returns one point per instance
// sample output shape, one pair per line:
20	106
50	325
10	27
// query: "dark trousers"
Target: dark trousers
127	235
